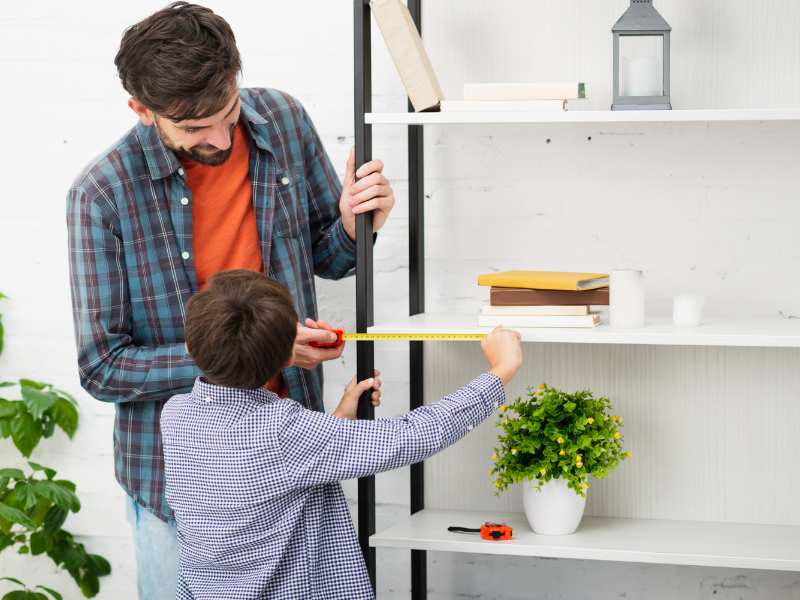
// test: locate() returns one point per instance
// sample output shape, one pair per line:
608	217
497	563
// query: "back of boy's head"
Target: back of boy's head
240	330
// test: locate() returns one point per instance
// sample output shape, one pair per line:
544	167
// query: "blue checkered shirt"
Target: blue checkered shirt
129	221
253	480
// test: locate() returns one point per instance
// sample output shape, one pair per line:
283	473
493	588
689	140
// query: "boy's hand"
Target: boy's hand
503	350
348	406
307	356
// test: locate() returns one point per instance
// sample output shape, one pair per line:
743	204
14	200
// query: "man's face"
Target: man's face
208	141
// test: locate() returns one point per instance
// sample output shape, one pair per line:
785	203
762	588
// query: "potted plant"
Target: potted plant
551	442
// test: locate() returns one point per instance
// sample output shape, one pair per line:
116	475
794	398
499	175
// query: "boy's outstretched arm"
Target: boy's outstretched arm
321	448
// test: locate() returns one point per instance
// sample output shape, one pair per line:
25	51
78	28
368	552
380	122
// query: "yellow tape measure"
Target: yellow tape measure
342	336
412	337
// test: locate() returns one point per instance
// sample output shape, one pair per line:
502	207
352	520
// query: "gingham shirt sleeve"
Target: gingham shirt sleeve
111	367
320	448
334	252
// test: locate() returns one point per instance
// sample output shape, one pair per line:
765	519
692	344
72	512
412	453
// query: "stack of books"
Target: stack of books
516	96
520	299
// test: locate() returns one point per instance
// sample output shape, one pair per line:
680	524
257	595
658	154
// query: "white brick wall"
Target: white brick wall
709	207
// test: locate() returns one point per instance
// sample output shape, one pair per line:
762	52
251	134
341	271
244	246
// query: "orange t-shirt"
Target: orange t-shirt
223	220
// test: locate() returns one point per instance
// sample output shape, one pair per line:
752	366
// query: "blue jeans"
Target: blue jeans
156	546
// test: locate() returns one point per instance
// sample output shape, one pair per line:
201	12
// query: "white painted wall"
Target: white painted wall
706	207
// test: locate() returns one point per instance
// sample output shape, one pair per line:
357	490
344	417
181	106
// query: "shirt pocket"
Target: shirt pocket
290	218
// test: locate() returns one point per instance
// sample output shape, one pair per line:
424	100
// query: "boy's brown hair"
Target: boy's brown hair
241	329
180	62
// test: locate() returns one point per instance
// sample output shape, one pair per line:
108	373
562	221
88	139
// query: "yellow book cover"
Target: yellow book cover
545	280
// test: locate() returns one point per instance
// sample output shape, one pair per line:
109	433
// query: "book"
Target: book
499	296
523	322
525	91
408	53
544	280
529	311
502	105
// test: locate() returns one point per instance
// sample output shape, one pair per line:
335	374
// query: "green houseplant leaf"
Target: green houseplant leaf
37	400
552	434
25	432
14	515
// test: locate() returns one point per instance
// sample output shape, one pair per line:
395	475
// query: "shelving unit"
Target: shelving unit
584	116
695	543
764	333
714	544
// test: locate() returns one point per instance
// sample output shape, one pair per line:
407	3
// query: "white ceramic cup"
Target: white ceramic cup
626	298
687	310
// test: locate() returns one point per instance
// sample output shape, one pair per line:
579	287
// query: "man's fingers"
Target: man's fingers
374	191
370	205
323	324
350	385
369	167
311	334
350	169
368	181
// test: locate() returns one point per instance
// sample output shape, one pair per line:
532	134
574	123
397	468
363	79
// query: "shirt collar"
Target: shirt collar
162	162
204	391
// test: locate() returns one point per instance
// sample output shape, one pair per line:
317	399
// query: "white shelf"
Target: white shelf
741	546
585	116
764	332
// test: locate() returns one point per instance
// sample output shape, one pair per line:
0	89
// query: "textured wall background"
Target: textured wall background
706	207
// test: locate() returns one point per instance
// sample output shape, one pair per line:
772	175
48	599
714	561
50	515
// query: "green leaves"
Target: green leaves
37	401
27	594
14	515
65	415
25	432
12	473
553	434
33	508
41	409
58	493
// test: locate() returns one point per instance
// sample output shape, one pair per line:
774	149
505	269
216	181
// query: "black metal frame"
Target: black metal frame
364	290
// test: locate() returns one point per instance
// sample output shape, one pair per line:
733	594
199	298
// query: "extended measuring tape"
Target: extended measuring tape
342	336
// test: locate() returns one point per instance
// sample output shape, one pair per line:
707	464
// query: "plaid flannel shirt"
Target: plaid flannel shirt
129	222
253	480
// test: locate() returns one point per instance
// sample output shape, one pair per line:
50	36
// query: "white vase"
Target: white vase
555	509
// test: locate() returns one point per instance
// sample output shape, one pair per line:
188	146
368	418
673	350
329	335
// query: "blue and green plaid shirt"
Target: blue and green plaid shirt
129	220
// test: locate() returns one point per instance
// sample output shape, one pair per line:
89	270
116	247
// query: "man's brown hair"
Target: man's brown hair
180	62
240	329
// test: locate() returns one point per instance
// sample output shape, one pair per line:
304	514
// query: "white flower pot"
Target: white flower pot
555	509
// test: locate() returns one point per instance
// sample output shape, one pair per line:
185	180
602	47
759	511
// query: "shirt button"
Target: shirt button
185	255
469	428
208	398
180	171
285	180
184	201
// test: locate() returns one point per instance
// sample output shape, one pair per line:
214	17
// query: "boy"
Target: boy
253	478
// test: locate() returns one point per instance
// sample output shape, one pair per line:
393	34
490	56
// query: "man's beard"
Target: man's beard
200	153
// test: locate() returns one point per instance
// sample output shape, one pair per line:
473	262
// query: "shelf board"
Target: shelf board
584	116
763	332
709	544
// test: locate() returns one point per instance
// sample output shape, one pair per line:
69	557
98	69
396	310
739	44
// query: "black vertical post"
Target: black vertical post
364	298
416	282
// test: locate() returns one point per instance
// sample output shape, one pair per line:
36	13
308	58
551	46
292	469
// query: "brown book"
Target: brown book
525	297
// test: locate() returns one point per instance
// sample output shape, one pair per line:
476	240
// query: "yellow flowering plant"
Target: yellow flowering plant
551	434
